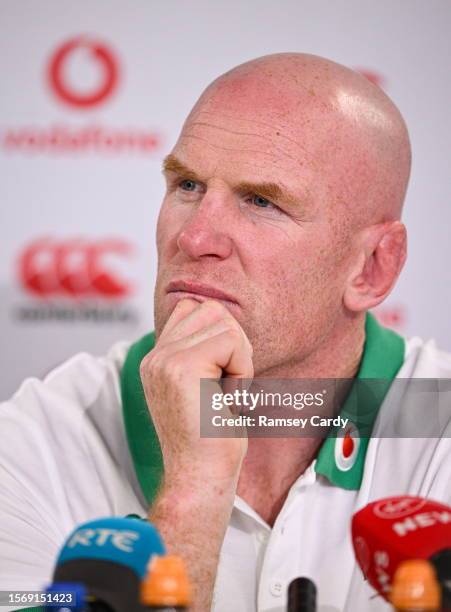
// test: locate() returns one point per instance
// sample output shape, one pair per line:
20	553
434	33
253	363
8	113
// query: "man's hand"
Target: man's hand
192	510
200	340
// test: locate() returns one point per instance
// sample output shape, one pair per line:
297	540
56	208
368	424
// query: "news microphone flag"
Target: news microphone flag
389	531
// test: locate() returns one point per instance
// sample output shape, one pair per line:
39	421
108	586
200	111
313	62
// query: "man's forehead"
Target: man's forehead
266	114
288	129
232	141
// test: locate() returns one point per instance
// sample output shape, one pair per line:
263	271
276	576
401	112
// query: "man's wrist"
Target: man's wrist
179	496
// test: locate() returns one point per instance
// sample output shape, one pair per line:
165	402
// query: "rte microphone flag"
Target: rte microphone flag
110	557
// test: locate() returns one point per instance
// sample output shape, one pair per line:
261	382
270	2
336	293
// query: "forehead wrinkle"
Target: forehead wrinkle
263	137
232	117
274	131
225	129
238	149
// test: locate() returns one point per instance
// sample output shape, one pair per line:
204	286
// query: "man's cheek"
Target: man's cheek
167	233
171	222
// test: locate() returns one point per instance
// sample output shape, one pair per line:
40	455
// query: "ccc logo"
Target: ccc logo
73	268
105	62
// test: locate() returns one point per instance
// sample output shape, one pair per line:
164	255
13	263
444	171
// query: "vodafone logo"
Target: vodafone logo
394	508
96	56
82	73
74	268
347	446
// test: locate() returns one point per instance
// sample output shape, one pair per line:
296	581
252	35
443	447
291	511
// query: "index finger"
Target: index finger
182	309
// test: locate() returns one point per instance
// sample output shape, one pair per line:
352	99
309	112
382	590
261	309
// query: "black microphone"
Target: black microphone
301	595
442	565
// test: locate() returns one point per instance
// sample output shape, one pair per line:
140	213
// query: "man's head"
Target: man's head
284	191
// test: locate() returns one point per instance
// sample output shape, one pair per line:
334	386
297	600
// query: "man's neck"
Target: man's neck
272	465
337	355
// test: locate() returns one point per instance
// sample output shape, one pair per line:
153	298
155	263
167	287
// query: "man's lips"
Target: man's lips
199	289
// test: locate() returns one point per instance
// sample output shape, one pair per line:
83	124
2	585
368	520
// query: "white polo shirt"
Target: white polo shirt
74	448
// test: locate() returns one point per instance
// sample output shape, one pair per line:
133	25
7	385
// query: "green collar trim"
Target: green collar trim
341	458
382	358
141	435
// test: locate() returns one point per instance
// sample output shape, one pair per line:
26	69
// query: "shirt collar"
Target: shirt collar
140	431
341	458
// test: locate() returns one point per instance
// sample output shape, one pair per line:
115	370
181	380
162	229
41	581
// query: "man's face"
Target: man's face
249	212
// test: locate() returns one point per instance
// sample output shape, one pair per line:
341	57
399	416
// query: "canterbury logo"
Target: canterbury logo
74	267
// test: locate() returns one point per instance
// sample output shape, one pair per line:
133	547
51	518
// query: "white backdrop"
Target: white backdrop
81	150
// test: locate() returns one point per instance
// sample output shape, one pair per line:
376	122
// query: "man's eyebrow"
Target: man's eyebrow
270	191
172	164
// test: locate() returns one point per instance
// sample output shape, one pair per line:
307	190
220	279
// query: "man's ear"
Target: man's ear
383	251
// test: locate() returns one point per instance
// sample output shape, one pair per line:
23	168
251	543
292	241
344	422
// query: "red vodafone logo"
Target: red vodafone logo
74	268
395	508
347	446
106	66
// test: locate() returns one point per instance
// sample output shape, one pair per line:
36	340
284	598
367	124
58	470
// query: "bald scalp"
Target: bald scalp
348	131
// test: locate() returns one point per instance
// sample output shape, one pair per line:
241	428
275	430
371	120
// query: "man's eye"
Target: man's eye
261	202
257	201
188	185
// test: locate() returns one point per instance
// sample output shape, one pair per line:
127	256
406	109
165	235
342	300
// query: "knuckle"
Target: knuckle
231	324
161	368
176	363
144	366
234	334
152	362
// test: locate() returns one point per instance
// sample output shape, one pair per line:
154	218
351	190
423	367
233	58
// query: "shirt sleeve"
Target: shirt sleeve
32	519
61	463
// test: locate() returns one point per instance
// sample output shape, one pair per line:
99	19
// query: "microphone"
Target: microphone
301	595
166	586
389	531
109	557
415	587
442	565
71	596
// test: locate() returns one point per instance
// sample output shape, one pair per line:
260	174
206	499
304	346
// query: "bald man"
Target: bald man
279	230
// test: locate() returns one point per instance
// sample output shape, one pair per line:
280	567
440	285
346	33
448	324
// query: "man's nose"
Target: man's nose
205	233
